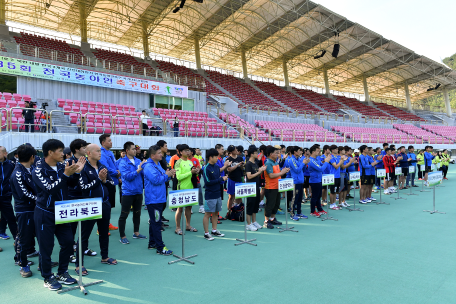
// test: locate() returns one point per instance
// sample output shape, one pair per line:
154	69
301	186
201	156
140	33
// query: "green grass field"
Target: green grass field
387	254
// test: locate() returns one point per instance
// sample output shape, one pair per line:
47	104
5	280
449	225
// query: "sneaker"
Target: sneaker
258	226
217	233
109	233
276	222
294	218
316	214
345	205
420	179
362	202
262	204
322	212
89	252
386	192
164	220
377	188
33	254
201	209
151	246
268	225
340	205
368	200
66	279
124	241
29	263
300	215
139	236
112	227
25	272
443	178
279	212
52	283
417	186
163	224
372	199
72	259
252	227
334	207
4	236
374	190
165	251
208	237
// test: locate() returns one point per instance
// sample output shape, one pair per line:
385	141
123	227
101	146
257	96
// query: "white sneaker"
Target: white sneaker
352	187
346	205
367	200
258	226
362	202
252	227
341	205
386	192
201	209
261	203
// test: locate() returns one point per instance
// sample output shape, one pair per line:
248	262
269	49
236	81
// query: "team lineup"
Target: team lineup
89	170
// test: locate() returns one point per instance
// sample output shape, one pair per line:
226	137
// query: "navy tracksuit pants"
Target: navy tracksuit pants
25	239
8	217
315	201
297	194
155	216
45	229
103	231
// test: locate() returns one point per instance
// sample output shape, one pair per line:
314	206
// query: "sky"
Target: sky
426	27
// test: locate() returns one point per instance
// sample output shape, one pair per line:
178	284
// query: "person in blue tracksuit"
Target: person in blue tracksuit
322	158
50	177
6	208
132	191
379	157
404	164
305	169
109	161
428	157
155	178
316	170
411	176
296	165
286	164
95	181
24	192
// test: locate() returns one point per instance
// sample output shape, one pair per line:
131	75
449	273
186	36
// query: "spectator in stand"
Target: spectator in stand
145	127
176	127
29	117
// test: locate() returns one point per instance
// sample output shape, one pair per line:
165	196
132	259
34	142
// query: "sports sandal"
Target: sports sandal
84	271
191	229
178	232
109	261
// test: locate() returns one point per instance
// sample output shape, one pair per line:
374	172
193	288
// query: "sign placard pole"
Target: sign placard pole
327	205
239	189
422	187
245	241
433	205
183	257
286	215
80	284
398	196
380	202
184	198
354	195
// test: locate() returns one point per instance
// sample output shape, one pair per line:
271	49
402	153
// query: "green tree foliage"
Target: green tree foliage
8	84
438	100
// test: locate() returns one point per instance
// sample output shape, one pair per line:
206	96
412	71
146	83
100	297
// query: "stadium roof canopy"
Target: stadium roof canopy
268	31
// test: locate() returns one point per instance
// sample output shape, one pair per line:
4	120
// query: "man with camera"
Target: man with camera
29	116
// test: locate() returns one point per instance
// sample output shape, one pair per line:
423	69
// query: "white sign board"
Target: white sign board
245	190
182	198
381	173
354	176
286	184
78	210
398	171
411	169
327	179
434	178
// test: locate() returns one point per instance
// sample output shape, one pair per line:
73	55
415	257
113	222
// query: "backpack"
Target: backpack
237	213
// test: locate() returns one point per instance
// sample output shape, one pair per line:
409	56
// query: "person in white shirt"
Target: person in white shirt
144	117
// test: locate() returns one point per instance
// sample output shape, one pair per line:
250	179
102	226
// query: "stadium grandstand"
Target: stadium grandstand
293	63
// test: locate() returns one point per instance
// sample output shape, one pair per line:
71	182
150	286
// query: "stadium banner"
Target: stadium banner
286	184
183	198
242	190
34	69
434	178
78	210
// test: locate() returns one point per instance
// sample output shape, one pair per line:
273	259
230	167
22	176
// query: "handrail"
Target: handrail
51	124
34	118
224	133
6	119
84	121
116	118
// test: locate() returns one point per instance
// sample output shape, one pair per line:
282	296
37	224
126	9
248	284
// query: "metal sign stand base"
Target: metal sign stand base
422	187
433	205
183	257
398	197
286	216
245	241
327	214
354	203
380	202
80	284
411	191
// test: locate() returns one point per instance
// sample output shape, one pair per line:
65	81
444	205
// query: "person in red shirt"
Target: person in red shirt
389	162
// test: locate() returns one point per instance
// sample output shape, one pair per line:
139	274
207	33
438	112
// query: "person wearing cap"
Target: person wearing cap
235	174
139	155
67	153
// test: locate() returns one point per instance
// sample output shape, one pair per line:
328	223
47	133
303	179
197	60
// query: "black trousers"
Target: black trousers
112	196
145	128
46	229
25	239
155	216
420	173
127	202
103	231
444	169
315	201
7	217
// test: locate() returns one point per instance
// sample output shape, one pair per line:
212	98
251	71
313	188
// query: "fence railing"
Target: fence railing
15	121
